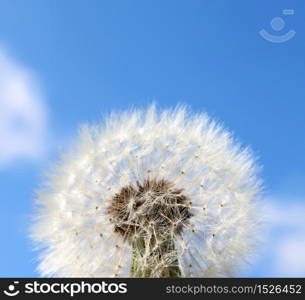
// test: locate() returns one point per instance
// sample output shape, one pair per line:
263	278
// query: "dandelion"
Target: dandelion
149	194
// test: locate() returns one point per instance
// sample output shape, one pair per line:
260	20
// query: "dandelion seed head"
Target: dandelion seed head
171	189
151	204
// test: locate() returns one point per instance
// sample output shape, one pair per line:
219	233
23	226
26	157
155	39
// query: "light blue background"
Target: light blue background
95	56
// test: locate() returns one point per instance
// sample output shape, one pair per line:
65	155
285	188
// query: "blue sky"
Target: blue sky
63	63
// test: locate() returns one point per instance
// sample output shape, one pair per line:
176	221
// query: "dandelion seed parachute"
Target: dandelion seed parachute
149	194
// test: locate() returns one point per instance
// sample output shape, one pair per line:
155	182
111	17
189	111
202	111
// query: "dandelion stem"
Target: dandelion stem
151	259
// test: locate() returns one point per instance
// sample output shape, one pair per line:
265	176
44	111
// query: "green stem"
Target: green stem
154	264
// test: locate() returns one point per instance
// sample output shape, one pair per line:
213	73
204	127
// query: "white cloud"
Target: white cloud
23	115
289	261
284	250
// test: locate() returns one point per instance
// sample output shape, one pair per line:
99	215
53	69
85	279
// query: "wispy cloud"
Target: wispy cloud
23	114
283	254
287	226
290	260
